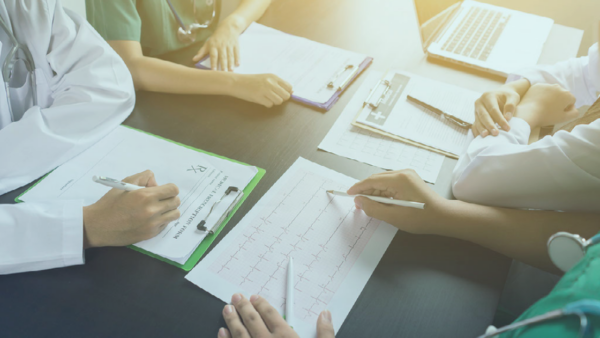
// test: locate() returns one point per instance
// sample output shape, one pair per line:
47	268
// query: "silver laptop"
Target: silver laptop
482	36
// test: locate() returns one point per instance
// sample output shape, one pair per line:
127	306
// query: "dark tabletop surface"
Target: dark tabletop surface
425	286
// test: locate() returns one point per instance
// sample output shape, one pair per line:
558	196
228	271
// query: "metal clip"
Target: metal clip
348	78
368	102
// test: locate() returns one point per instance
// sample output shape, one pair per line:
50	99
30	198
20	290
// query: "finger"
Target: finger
230	58
214	59
255	325
236	52
510	107
168	217
496	115
285	85
224	333
284	94
143	179
572	112
223	59
377	210
169	204
268	313
478	127
274	98
265	102
163	192
234	323
381	182
201	53
486	121
325	325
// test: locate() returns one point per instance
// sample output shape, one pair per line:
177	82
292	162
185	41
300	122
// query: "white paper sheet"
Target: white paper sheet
418	124
335	248
202	179
307	65
372	148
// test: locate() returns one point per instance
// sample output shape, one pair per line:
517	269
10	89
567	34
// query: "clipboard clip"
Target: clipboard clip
202	225
370	103
353	69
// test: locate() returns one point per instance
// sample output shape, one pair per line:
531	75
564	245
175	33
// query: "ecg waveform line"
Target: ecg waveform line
323	233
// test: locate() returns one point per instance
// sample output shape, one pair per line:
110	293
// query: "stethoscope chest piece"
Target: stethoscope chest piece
566	249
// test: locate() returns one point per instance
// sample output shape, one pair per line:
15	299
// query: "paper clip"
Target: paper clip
368	102
348	78
202	225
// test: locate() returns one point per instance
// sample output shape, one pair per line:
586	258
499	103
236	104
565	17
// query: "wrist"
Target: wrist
520	86
235	23
529	111
88	241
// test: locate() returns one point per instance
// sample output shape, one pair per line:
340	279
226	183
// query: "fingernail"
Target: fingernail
509	116
253	298
222	333
236	298
326	316
228	309
484	133
495	132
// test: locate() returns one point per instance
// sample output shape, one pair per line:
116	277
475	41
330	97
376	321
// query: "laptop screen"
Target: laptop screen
432	15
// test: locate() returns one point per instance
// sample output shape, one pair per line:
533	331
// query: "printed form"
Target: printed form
202	179
335	248
375	149
307	65
397	116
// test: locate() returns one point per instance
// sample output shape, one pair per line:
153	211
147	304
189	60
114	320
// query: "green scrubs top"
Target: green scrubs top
581	282
151	22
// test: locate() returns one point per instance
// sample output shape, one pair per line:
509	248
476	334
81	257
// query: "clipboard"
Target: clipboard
210	238
376	96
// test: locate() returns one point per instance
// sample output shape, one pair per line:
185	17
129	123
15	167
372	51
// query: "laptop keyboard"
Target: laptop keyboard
477	34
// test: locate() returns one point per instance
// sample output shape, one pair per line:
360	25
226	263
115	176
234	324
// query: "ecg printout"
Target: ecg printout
335	248
202	179
307	65
413	122
372	148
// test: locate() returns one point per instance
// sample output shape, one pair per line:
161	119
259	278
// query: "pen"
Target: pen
449	117
289	300
382	199
111	182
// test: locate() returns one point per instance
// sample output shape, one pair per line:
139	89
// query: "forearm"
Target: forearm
247	12
156	75
519	234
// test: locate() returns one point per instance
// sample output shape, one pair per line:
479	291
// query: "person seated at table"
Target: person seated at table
68	89
141	31
256	318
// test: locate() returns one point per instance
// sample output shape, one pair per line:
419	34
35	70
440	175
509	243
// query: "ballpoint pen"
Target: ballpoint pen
446	116
380	199
111	182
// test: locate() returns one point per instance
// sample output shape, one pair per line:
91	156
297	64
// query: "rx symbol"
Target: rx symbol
197	169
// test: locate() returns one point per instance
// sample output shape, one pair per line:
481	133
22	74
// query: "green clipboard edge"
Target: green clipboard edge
209	239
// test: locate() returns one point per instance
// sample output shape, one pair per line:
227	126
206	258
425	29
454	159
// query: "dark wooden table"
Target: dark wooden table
425	286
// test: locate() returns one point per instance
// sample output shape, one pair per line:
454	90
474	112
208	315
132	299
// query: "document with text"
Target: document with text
202	180
335	248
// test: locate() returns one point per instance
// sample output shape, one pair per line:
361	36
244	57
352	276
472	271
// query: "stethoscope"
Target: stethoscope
8	68
187	34
565	251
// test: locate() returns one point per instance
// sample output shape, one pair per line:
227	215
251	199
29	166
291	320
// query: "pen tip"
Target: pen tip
329	191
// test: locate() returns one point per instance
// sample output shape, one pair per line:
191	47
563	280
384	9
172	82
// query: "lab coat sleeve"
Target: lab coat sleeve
577	75
40	235
91	89
550	174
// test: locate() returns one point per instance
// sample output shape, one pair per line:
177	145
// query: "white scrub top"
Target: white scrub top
84	91
559	172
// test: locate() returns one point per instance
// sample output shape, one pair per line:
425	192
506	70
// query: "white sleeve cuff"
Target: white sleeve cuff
533	75
73	234
519	129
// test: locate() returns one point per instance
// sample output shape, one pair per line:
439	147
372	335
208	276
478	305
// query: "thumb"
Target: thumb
572	112
144	179
325	326
201	53
510	106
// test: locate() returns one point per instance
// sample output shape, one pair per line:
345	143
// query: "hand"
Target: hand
497	106
223	47
546	105
260	320
126	217
403	185
265	89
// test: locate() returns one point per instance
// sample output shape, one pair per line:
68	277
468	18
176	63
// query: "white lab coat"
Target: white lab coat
559	172
84	91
